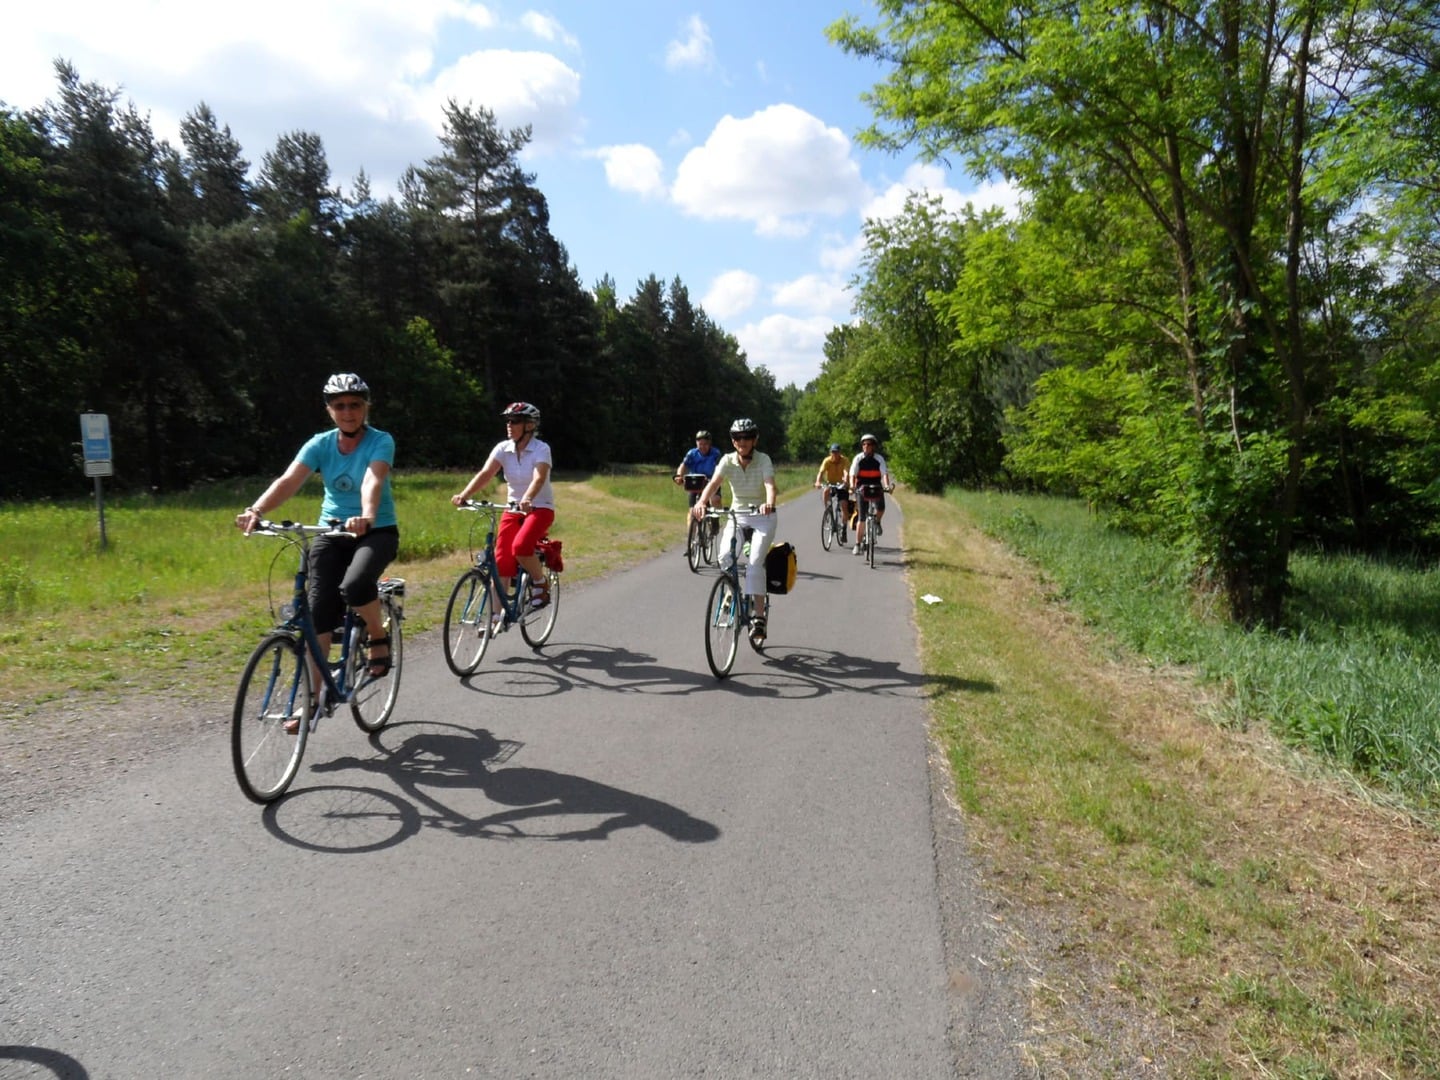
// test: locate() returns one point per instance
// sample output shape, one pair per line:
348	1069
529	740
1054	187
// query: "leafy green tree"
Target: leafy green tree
50	277
1205	117
925	383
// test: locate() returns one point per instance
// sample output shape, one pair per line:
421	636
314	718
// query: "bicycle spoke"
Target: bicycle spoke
274	692
722	626
372	698
467	629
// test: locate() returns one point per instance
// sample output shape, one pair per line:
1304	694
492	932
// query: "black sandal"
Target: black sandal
382	663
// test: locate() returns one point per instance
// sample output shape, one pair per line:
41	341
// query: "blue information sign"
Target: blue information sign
95	435
95	440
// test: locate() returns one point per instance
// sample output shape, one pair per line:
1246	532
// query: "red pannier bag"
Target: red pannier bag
550	554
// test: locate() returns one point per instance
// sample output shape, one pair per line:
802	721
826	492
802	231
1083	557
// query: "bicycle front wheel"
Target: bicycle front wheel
275	689
870	542
467	622
827	527
536	624
722	626
709	535
695	545
372	700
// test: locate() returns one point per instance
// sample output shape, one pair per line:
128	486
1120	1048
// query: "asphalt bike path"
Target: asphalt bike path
595	860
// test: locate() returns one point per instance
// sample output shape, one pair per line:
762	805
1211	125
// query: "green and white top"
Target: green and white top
747	483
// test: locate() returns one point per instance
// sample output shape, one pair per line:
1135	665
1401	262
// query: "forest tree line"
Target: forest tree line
202	308
1216	316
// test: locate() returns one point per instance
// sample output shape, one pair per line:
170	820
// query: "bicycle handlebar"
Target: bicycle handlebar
295	528
482	504
730	511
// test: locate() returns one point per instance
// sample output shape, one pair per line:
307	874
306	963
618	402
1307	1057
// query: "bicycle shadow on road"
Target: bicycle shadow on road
865	675
62	1066
612	668
430	758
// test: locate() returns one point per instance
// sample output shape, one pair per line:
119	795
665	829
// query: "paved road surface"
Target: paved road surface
594	861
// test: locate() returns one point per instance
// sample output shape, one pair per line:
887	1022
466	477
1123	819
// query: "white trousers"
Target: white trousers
764	526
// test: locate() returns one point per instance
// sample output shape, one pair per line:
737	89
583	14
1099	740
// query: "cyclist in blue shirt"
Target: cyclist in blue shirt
354	460
699	461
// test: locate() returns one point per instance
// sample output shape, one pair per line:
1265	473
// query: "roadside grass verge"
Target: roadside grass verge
1352	676
1229	914
178	598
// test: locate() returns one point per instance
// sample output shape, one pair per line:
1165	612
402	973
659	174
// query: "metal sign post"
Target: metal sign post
95	440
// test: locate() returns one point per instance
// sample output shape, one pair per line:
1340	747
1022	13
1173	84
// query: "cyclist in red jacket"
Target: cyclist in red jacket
869	479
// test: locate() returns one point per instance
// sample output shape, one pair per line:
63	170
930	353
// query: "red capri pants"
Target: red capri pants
520	533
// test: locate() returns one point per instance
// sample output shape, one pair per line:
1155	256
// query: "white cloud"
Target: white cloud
634	168
731	294
363	47
816	293
779	168
548	28
519	87
695	51
793	349
841	255
934	179
362	73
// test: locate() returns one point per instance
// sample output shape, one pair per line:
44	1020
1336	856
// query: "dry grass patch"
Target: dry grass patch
1201	907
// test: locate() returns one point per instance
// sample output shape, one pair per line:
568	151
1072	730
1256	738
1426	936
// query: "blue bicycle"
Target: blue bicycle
276	705
483	604
729	611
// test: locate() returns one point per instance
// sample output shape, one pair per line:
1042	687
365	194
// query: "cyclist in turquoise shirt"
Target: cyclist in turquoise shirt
354	460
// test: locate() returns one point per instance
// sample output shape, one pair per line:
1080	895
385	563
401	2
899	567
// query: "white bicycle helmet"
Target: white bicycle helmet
521	410
744	426
869	438
346	382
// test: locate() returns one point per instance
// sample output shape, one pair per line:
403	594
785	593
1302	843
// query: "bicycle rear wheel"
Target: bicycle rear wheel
695	545
827	527
372	700
536	624
467	629
274	688
722	626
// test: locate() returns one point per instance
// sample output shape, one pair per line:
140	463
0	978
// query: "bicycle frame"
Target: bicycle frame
296	617
513	599
833	525
276	707
481	605
729	609
699	535
870	515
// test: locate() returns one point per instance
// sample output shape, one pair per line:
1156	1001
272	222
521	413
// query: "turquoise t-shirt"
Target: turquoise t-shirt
344	473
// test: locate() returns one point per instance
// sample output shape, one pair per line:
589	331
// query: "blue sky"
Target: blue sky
710	141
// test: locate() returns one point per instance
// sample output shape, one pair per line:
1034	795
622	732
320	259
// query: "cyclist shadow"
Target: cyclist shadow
610	668
862	674
584	665
432	760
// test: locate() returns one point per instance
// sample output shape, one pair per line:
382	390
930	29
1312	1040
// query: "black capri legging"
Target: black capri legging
345	571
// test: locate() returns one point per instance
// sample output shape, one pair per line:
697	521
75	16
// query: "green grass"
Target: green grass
178	594
1258	923
1351	677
